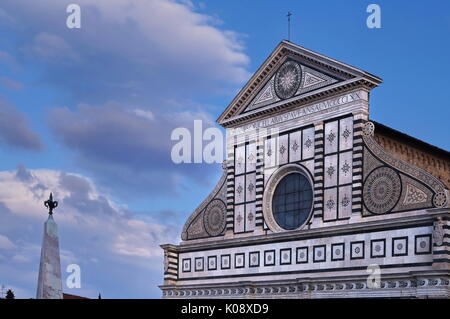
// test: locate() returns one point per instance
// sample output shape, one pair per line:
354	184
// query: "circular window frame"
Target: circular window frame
269	191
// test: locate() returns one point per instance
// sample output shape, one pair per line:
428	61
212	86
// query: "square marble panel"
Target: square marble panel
250	157
239	160
199	265
250	187
330	171
295	146
331	137
239	189
302	255
422	244
285	256
270	152
269	258
308	143
212	262
345	201
253	259
357	250
377	248
330	204
225	261
239	260
239	218
345	168
346	133
319	253
337	252
283	149
186	265
400	246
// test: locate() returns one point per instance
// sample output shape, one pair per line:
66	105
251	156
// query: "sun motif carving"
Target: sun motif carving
330	170
308	143
345	167
287	79
215	217
251	187
331	137
282	149
381	190
239	189
346	133
345	201
330	203
295	146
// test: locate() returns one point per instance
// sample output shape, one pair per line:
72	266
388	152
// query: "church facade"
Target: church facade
316	200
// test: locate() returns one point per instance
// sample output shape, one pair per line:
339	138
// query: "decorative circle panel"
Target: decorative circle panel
287	79
382	190
215	217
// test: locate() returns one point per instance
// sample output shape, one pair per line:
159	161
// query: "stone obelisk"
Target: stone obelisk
49	281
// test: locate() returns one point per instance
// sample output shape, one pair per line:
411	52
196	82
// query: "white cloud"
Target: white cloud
95	232
6	243
52	48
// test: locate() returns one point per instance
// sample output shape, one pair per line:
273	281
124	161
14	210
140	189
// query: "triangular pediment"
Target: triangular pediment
292	73
308	80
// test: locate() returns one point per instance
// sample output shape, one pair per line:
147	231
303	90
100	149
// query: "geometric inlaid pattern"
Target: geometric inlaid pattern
319	253
357	250
285	256
381	190
253	259
215	217
269	257
378	248
400	246
186	265
239	260
422	244
337	252
302	255
212	262
199	266
225	261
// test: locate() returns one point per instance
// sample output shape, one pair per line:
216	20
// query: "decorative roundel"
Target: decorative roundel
382	190
215	217
440	199
368	129
287	79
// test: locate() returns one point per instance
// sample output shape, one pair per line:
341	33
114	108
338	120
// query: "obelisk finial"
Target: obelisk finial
51	204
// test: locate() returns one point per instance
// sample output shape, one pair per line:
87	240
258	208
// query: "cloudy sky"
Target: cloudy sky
87	113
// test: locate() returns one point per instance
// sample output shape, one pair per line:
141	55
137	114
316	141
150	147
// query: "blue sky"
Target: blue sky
87	113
